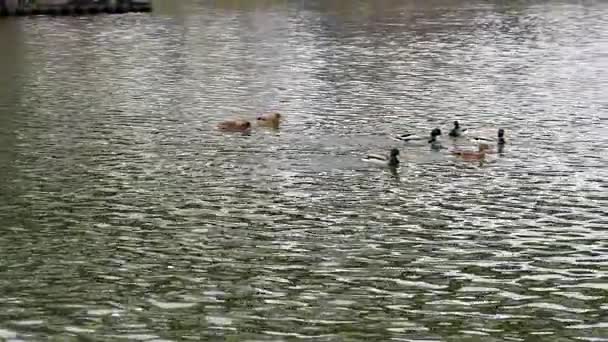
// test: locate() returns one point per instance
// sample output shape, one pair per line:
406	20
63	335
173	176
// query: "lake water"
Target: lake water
124	215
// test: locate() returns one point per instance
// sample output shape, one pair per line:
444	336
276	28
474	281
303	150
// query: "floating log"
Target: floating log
71	7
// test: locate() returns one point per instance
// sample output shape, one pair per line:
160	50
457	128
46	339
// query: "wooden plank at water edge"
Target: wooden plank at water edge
8	7
72	7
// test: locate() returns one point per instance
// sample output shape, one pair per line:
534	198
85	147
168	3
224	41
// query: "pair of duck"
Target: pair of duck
392	159
272	120
455	132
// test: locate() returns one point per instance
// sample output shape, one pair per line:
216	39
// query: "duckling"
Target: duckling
390	161
238	125
269	120
473	155
457	131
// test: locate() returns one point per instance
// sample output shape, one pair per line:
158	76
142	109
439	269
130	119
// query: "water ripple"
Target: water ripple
127	216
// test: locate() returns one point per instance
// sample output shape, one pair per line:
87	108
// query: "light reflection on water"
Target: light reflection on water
125	215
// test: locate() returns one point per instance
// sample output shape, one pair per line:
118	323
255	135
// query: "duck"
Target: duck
500	139
456	131
391	161
237	125
473	155
431	141
269	120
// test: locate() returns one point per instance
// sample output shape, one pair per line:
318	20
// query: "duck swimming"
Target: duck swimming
238	125
473	155
500	139
456	131
413	138
390	161
269	120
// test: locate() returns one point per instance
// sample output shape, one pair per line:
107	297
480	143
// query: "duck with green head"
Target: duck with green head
391	160
414	139
457	131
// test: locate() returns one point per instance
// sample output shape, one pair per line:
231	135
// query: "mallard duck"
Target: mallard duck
457	131
416	139
238	125
473	155
390	161
500	139
269	120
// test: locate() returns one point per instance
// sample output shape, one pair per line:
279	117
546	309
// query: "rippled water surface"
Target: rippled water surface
124	215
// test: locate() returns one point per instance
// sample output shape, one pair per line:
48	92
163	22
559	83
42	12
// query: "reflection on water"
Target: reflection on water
125	215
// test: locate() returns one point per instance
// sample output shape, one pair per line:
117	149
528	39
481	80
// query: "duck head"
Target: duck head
434	134
501	139
393	160
456	125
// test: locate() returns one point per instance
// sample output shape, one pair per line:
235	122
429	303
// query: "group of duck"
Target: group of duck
484	145
273	120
